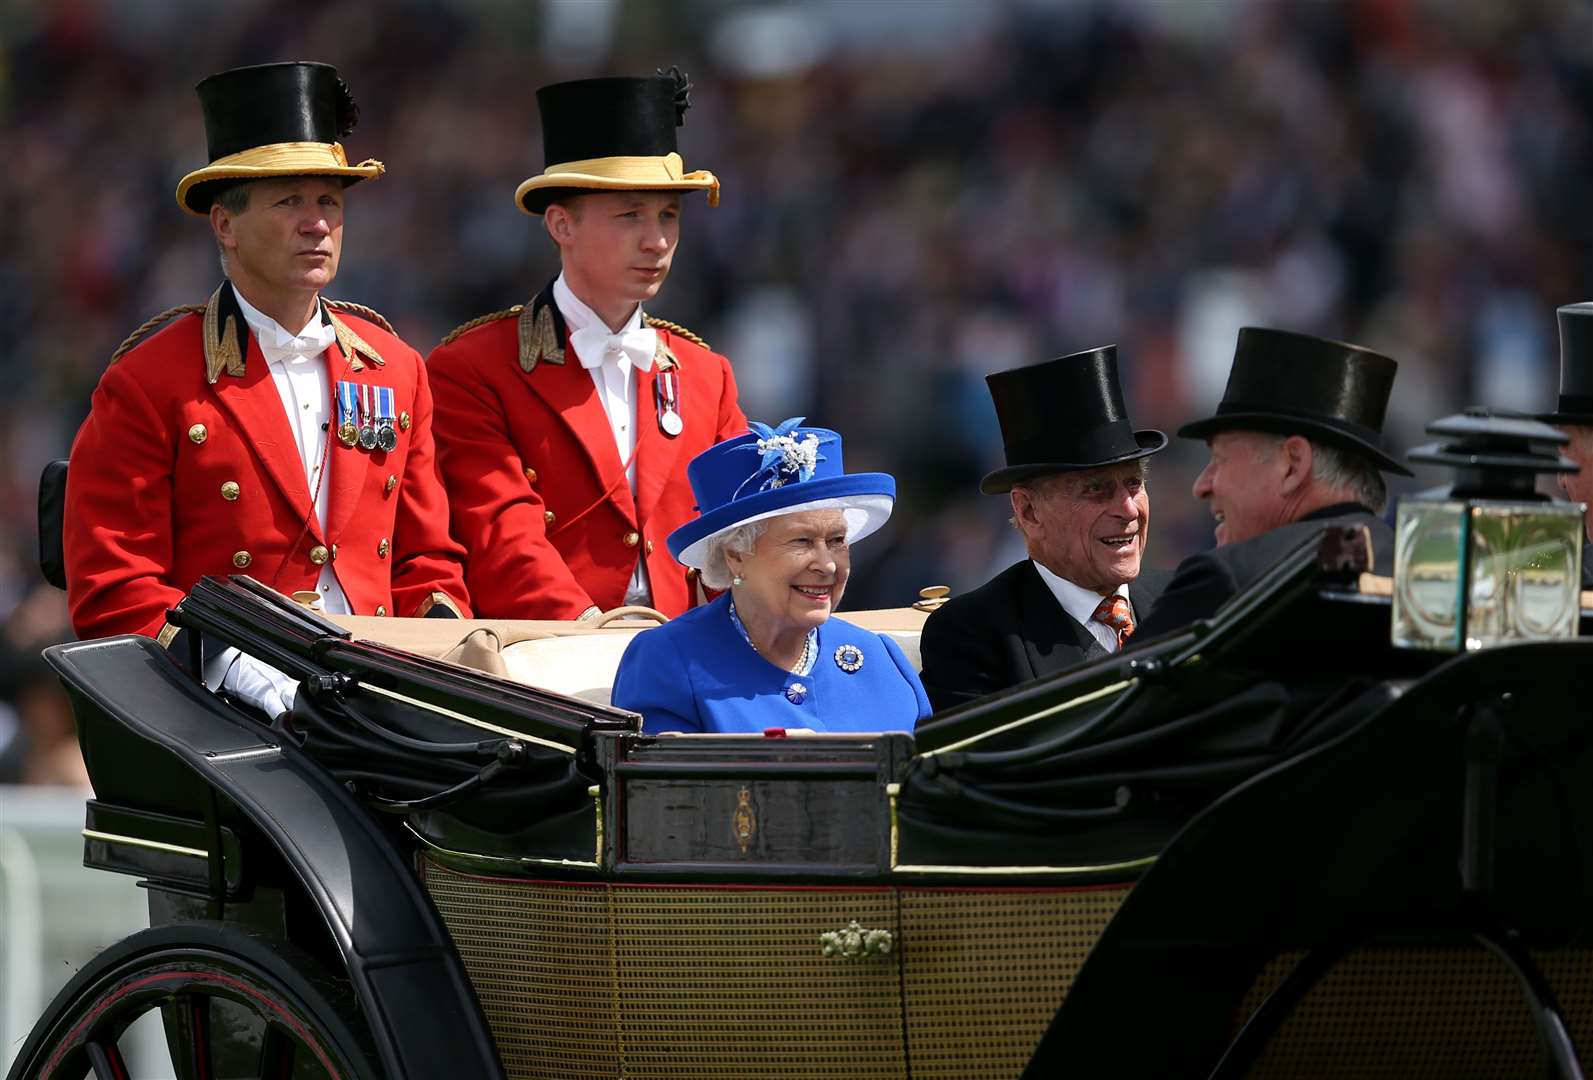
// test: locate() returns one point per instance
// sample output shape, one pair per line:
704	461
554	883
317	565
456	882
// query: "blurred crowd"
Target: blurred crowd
916	193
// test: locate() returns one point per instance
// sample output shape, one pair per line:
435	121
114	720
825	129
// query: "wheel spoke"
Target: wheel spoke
187	1020
276	1054
106	1060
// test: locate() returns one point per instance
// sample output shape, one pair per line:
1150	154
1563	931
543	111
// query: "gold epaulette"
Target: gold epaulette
481	320
363	312
137	335
676	329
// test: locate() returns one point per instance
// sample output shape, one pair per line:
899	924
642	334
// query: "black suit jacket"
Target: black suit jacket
1203	583
1008	631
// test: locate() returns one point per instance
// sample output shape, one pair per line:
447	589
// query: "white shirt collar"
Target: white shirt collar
1077	602
276	343
577	316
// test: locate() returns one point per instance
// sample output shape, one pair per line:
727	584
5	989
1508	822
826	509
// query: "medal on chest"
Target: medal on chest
666	395
347	413
386	437
367	417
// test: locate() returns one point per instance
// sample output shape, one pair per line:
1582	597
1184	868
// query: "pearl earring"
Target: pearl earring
736	580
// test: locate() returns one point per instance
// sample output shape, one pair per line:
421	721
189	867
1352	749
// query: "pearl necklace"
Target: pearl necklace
810	646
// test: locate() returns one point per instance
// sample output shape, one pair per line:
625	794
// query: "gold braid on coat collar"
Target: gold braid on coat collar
539	333
224	345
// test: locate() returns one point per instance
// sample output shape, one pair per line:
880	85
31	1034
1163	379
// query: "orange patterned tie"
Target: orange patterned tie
1115	613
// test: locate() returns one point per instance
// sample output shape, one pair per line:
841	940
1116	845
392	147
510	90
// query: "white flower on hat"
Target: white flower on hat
787	454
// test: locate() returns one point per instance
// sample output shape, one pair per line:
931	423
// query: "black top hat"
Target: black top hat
615	134
1576	366
1063	416
1296	384
273	120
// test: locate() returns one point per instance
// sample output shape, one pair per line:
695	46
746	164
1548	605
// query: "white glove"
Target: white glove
251	681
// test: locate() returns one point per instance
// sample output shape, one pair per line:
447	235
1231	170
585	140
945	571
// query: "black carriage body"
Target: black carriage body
592	902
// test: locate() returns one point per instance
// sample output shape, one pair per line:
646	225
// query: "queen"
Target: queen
777	518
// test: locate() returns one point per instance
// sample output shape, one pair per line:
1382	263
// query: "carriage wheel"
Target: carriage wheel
233	1003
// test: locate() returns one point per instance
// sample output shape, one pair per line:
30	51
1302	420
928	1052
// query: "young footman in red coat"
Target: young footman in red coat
268	431
564	425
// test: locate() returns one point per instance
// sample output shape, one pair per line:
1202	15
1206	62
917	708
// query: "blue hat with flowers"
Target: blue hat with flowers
770	472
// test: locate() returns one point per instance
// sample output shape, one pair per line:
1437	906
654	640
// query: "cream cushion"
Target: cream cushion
567	658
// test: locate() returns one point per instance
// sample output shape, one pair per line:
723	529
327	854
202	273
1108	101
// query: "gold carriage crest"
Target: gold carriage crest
743	823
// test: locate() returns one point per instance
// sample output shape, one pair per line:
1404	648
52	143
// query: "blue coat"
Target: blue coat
697	673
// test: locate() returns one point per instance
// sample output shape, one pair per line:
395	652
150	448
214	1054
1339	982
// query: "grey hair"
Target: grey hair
1052	483
1339	470
741	539
234	199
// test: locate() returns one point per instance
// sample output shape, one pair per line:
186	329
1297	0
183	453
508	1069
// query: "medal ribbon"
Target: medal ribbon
346	406
666	392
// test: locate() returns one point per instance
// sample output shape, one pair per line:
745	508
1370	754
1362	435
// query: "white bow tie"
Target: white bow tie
595	345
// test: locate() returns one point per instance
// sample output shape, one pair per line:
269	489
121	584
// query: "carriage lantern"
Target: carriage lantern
1489	561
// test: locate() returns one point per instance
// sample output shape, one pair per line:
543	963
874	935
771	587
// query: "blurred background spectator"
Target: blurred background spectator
915	194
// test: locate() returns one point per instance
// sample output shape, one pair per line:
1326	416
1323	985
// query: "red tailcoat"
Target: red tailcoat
538	493
173	477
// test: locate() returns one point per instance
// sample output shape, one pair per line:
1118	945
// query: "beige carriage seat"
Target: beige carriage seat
566	657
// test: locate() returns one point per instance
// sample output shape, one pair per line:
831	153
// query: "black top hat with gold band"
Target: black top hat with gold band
615	134
1576	367
1065	415
1296	384
273	120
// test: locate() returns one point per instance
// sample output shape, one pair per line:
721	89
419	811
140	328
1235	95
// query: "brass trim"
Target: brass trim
499	860
595	792
139	841
462	718
1094	695
1006	871
891	793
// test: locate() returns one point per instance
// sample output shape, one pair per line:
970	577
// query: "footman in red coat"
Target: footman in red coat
268	431
564	425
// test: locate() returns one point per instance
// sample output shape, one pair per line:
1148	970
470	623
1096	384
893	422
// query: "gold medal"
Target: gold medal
346	433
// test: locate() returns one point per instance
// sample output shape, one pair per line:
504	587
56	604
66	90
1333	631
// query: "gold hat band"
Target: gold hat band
623	173
278	159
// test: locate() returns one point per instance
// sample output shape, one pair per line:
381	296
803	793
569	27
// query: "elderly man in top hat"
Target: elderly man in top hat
1295	448
1075	477
565	424
268	430
1573	413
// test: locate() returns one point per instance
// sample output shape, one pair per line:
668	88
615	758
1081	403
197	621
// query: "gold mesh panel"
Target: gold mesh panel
538	956
659	981
984	972
1403	1014
730	982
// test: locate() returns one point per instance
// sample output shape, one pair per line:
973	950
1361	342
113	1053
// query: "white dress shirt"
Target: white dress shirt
1081	604
613	359
297	369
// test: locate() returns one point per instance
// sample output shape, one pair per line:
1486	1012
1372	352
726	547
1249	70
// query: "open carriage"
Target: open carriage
1272	845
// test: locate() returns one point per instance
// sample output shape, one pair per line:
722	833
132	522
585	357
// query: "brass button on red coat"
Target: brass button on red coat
649	547
197	434
230	491
334	553
382	548
319	555
380	610
531	476
548	518
241	559
403	421
631	539
392	482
